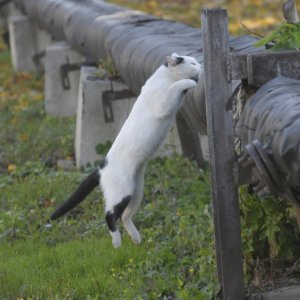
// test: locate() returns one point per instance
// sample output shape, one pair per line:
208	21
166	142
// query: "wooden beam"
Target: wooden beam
221	151
290	12
261	67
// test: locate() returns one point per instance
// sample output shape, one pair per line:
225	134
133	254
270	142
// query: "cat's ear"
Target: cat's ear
174	54
173	61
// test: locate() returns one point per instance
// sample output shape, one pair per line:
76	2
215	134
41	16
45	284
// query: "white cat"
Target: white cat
121	173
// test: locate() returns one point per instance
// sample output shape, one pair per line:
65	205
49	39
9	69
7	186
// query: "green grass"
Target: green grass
74	269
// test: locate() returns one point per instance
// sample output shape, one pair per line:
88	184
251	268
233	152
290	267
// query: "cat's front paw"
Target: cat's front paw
190	83
187	84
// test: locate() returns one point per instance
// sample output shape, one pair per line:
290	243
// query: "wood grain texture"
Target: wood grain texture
221	149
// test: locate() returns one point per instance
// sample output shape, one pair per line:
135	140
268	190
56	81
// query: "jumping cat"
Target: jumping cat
121	173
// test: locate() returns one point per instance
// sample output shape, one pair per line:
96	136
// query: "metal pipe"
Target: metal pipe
270	130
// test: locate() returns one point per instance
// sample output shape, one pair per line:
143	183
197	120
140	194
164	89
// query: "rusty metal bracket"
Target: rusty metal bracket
64	73
37	58
66	68
265	175
108	97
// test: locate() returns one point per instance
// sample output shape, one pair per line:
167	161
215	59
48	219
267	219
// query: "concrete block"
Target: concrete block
7	11
91	127
42	40
59	101
12	10
22	42
26	40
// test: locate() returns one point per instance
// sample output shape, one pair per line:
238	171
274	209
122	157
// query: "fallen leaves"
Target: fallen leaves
262	14
11	168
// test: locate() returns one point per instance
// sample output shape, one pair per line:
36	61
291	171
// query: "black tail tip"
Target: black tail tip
53	217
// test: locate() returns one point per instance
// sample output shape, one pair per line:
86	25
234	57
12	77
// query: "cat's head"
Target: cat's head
183	67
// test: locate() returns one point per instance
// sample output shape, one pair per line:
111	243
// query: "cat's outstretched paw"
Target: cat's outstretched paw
184	84
136	240
189	83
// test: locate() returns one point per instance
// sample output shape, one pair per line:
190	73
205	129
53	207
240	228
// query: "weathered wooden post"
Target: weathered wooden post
221	150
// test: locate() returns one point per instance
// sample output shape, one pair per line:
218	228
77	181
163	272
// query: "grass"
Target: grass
71	270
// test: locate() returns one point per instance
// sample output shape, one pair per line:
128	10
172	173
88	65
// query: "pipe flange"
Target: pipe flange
264	174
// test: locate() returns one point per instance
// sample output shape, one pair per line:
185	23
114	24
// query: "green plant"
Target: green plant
284	37
109	67
269	229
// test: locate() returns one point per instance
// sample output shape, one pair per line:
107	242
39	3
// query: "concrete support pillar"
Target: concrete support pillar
92	127
12	10
42	40
7	11
27	40
22	43
61	101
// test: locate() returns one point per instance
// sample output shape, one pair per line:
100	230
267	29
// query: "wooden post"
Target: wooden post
221	151
290	12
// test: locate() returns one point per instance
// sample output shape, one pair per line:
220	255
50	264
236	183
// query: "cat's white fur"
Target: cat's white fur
141	135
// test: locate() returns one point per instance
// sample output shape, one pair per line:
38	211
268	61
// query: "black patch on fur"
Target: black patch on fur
120	207
111	221
103	163
179	60
85	187
111	218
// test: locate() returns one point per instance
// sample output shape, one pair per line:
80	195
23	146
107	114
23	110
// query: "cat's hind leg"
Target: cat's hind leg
132	208
129	225
112	217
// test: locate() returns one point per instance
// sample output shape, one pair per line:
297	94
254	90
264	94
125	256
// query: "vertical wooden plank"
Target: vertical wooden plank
221	150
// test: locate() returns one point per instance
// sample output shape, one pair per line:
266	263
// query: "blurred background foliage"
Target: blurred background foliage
260	16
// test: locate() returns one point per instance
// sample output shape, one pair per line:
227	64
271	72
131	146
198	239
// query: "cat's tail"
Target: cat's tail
85	187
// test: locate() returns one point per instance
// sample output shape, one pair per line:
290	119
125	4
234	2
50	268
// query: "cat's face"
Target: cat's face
184	67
